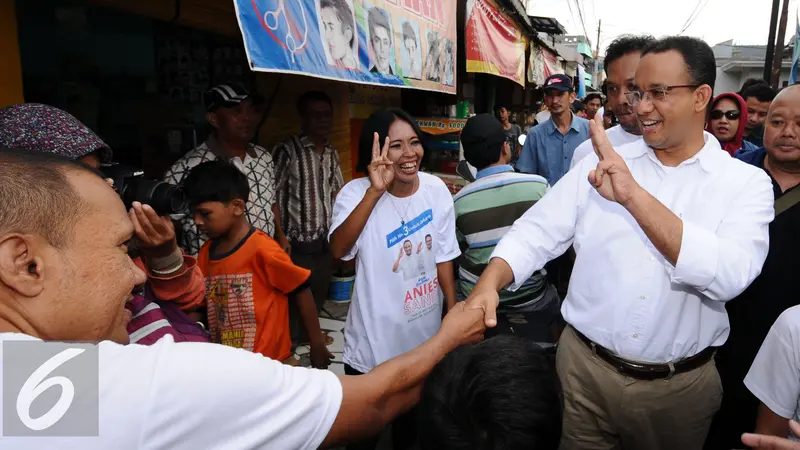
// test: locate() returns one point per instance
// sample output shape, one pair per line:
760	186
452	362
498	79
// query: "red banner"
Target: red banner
495	44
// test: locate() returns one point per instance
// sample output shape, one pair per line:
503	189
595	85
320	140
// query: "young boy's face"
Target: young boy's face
215	219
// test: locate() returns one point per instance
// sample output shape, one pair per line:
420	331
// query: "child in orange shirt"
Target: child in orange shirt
248	276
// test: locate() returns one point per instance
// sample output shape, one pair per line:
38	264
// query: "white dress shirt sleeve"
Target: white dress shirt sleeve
722	263
774	377
546	230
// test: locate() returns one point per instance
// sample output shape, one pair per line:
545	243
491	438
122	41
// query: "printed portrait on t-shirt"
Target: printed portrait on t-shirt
415	261
406	263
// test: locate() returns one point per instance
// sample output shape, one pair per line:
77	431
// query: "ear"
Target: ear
211	118
703	96
348	34
21	268
505	154
572	96
238	206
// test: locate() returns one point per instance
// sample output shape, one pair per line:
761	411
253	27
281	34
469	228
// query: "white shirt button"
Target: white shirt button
642	297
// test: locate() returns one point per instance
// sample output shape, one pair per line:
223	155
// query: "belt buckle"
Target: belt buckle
594	348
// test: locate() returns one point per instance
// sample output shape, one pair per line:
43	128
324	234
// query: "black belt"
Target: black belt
644	371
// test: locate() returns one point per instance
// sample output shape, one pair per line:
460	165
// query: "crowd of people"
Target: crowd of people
674	227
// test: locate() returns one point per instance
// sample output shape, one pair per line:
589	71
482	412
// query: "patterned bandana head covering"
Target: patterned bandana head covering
43	128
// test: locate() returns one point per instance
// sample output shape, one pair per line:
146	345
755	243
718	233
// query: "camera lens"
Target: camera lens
163	197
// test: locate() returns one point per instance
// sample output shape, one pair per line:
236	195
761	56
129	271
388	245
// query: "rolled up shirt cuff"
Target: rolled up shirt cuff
698	258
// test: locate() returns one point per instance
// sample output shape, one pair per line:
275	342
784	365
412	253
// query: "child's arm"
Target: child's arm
320	356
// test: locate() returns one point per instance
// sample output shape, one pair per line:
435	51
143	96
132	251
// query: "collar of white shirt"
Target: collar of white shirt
709	156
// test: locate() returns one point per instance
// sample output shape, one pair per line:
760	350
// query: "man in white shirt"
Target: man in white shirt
622	57
666	230
774	377
65	275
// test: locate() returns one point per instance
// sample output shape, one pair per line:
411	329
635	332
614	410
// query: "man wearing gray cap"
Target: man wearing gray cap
485	210
234	120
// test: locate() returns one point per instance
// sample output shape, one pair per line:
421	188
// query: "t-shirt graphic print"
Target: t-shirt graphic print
397	303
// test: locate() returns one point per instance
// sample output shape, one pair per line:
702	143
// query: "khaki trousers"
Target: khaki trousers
604	409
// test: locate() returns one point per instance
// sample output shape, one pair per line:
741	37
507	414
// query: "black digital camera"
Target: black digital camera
132	186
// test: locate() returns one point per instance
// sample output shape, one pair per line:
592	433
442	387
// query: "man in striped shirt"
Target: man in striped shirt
485	210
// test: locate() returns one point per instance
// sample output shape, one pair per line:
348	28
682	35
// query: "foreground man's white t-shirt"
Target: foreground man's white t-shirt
394	312
199	396
774	377
616	135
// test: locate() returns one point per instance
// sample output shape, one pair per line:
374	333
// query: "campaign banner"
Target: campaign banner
402	43
495	45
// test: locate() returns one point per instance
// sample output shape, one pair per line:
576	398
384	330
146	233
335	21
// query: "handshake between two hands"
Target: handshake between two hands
467	321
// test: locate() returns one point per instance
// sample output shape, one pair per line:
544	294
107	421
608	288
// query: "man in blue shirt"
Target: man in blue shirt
549	147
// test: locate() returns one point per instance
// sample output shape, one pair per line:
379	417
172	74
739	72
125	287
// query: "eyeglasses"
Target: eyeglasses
658	94
730	115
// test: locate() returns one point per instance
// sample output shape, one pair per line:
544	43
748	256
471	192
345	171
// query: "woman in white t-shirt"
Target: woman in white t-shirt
382	221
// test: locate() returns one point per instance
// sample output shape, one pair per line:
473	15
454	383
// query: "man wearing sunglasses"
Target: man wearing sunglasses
666	229
726	124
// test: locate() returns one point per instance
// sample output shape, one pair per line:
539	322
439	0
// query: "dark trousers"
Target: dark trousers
739	409
404	428
321	266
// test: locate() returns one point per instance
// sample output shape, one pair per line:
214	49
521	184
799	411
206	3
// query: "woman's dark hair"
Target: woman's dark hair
380	122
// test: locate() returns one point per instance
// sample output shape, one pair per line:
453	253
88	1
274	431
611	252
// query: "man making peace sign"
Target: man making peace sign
666	230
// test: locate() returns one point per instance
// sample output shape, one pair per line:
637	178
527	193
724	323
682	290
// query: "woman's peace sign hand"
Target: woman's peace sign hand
381	169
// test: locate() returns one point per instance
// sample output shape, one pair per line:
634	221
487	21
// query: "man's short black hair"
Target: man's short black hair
37	197
309	97
592	96
502	393
578	106
762	92
752	82
623	45
216	181
698	56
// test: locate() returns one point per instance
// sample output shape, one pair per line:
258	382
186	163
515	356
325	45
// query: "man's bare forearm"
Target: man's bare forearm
660	225
497	275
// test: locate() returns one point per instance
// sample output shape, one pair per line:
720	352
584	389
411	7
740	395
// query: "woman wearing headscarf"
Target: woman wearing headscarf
725	122
399	225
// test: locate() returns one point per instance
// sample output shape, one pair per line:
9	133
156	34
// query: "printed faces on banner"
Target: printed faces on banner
391	42
339	34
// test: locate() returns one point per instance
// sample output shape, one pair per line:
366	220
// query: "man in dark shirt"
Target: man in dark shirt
758	98
512	130
754	311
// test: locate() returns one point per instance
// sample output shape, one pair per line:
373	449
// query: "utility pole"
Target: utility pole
777	60
596	76
773	25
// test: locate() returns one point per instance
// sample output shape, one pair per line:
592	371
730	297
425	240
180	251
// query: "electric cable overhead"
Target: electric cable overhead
583	23
691	19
